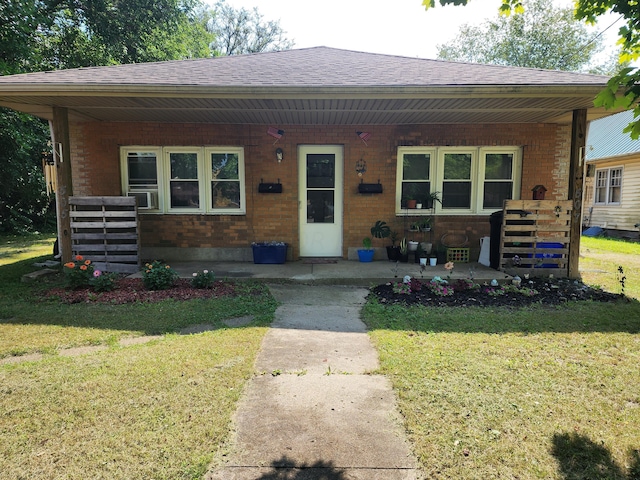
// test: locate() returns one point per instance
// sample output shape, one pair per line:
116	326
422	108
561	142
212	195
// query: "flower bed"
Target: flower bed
465	293
132	290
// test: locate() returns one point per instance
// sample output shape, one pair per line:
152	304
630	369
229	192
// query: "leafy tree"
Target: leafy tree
23	201
623	90
55	34
543	36
243	31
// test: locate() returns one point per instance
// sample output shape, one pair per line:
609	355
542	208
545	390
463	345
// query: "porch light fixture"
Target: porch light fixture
279	154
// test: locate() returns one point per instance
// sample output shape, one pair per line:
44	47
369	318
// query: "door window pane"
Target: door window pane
320	206
321	171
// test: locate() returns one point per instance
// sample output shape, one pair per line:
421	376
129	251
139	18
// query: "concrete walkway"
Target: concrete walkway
312	411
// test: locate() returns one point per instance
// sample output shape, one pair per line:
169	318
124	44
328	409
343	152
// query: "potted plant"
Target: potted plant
411	201
404	251
425	224
365	254
414	226
433	257
432	198
393	251
380	230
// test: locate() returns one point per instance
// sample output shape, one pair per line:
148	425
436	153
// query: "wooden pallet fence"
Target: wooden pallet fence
105	231
535	237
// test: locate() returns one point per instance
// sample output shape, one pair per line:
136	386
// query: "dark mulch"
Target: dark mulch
549	292
132	290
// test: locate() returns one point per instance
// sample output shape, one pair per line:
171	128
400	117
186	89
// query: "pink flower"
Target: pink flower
97	273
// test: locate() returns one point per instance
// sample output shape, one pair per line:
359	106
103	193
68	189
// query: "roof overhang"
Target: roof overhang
339	105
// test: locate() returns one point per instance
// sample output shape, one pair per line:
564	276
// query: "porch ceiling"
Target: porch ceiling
338	107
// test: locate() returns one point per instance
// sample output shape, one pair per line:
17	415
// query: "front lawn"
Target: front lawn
157	410
549	392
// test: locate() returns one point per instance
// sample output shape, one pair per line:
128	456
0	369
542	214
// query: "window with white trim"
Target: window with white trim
608	186
469	180
207	180
415	173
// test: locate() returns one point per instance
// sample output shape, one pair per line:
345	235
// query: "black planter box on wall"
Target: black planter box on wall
270	188
370	188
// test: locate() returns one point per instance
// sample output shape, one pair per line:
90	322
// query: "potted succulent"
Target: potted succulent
404	251
425	224
365	254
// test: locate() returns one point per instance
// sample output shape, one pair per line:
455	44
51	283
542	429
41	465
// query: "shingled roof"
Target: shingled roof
315	85
311	67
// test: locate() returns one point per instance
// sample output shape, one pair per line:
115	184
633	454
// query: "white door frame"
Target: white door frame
321	232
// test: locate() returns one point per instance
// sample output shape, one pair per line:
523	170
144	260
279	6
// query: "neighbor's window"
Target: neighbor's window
467	179
187	180
608	186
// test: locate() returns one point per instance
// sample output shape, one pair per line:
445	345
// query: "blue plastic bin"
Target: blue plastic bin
548	255
265	253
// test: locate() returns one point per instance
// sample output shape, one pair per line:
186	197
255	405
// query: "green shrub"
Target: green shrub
158	276
203	279
103	281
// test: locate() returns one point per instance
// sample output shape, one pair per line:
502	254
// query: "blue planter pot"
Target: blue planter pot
366	255
265	253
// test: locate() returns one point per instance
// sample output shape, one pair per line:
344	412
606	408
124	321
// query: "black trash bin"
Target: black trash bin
494	243
495	219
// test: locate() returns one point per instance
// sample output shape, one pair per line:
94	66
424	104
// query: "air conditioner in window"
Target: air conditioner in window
146	200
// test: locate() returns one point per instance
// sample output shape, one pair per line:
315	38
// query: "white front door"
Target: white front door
320	208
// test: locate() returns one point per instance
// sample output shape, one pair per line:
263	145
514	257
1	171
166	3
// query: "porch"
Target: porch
338	272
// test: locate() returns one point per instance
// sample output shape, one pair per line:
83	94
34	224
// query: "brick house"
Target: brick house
202	142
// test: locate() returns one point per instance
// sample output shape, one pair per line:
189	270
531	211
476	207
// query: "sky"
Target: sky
394	27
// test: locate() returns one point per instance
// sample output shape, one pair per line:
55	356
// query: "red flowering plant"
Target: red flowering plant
79	272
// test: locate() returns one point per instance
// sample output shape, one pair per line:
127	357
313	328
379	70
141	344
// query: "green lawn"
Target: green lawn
485	393
158	410
535	393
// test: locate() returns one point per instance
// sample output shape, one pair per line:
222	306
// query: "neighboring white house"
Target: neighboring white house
612	185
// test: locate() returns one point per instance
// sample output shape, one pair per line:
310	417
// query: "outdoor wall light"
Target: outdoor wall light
279	154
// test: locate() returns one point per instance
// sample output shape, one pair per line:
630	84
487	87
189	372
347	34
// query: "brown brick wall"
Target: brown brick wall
96	171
